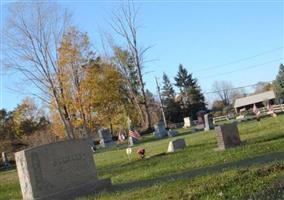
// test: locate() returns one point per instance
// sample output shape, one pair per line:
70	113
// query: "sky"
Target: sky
237	41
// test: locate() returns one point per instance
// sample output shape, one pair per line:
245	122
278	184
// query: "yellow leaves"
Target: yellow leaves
105	89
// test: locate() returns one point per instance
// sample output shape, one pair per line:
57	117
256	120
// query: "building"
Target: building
247	103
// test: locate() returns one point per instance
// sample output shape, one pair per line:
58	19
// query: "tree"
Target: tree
172	109
105	87
263	87
27	118
218	105
73	53
168	91
279	83
224	91
191	98
124	62
124	24
32	37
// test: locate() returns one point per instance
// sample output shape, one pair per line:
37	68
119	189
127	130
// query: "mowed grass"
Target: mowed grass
256	182
258	138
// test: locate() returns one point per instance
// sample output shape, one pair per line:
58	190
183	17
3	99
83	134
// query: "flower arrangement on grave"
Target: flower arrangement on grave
141	152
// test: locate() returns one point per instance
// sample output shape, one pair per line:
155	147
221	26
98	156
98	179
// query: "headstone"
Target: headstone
129	124
61	170
176	144
5	159
132	141
105	137
208	118
228	135
187	122
172	133
160	130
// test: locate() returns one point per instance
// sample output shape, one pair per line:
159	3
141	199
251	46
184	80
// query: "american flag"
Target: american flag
255	110
134	134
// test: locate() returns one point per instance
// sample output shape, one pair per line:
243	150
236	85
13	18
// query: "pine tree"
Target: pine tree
191	98
168	91
279	83
172	109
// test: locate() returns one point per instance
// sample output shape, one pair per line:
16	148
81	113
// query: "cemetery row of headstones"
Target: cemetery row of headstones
66	169
161	131
204	122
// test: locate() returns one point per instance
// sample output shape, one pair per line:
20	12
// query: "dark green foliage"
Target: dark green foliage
172	109
11	129
191	98
279	83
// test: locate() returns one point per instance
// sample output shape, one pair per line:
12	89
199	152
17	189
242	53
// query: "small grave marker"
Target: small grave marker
208	122
187	122
176	144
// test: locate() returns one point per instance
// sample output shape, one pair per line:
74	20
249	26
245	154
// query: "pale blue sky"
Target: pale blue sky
204	36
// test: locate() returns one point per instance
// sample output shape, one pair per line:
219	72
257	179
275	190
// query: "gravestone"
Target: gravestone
132	141
5	159
176	144
160	130
105	137
228	135
172	133
61	170
208	118
187	122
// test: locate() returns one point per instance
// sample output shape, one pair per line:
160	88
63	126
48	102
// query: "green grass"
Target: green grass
258	138
230	184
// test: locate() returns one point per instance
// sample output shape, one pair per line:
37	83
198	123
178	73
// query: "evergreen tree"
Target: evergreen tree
172	109
191	98
279	83
168	91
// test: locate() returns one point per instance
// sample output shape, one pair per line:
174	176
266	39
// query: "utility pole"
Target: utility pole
161	103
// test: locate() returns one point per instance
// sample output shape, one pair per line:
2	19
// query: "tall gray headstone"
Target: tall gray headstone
160	130
208	122
228	135
105	137
62	170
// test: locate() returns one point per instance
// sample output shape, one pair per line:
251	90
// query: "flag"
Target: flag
134	134
255	110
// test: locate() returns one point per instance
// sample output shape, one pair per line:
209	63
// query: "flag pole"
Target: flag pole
161	103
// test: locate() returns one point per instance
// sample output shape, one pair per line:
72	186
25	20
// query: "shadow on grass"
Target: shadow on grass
264	139
6	169
266	158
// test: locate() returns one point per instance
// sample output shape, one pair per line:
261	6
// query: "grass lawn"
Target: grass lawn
258	138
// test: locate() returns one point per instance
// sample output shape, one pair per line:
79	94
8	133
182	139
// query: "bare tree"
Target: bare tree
32	36
224	91
124	24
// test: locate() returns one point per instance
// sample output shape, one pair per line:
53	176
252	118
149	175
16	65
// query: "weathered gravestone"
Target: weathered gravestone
176	144
61	170
208	122
5	159
160	130
228	135
132	141
187	122
105	137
